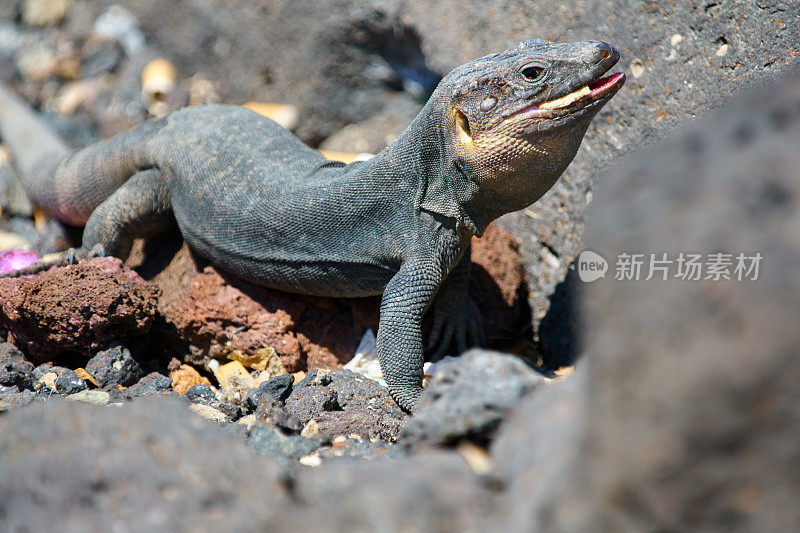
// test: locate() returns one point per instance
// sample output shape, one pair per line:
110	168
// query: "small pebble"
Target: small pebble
311	430
637	68
209	413
47	381
185	377
312	459
201	393
95	397
44	12
225	372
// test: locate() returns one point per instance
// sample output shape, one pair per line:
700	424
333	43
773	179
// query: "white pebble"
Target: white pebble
637	68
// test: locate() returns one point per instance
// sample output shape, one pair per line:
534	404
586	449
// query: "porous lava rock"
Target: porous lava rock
468	397
114	365
15	370
80	308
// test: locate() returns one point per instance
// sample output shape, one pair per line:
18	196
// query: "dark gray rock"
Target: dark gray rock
156	382
68	382
468	397
102	58
114	365
686	412
149	465
278	388
272	442
366	423
341	402
15	370
153	385
354	391
231	410
203	394
307	401
272	413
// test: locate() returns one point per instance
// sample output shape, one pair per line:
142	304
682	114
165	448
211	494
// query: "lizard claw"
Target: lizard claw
70	257
455	321
98	250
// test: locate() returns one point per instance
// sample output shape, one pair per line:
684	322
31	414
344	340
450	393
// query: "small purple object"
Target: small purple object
11	260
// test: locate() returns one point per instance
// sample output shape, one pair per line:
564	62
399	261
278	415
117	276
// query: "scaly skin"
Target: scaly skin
257	202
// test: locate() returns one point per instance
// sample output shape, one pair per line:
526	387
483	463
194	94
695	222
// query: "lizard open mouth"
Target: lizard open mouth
600	89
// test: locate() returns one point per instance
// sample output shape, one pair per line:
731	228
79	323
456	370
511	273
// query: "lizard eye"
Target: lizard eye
532	73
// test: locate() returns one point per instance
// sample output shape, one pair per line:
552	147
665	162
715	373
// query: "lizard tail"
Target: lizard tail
32	142
65	184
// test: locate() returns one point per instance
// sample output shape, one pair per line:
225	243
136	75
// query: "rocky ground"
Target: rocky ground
162	393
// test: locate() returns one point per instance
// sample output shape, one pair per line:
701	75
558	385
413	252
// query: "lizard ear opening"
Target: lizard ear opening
462	125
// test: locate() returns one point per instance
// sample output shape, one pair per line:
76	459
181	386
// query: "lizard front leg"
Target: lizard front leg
406	298
456	317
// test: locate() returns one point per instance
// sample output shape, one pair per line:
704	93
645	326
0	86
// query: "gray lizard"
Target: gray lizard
255	201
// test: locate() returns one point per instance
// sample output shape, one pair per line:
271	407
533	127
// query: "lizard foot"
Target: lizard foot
406	398
457	321
70	257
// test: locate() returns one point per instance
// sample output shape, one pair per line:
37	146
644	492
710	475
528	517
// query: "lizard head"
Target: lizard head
515	120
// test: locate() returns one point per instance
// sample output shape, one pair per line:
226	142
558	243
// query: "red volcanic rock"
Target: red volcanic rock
81	308
498	284
217	313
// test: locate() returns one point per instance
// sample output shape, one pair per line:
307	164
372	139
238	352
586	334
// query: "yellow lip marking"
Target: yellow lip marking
566	100
462	124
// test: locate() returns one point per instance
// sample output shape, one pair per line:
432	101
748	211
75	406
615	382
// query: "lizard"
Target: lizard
254	200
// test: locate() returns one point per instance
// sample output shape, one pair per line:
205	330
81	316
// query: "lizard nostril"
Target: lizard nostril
605	54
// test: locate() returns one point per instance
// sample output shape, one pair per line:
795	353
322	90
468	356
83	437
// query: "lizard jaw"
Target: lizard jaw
600	89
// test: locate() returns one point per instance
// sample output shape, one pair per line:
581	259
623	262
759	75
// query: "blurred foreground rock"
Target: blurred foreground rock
148	465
